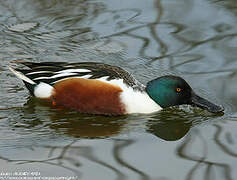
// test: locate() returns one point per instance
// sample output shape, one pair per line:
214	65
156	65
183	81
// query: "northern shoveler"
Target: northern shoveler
97	88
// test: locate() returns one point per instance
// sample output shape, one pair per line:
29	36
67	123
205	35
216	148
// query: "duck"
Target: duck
103	89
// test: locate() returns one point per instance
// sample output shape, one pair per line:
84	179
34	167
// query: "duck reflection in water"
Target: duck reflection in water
170	124
72	123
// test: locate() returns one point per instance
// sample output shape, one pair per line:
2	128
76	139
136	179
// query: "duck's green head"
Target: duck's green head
173	90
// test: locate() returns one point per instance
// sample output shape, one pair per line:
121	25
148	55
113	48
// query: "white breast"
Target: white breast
134	101
138	102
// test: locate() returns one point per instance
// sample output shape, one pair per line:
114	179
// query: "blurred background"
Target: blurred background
193	39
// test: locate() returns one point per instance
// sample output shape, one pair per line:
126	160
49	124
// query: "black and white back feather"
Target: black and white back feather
53	72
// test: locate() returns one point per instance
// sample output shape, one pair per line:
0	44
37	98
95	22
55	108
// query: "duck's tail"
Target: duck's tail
27	81
37	89
21	76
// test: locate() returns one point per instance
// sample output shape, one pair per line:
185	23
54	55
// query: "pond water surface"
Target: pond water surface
193	39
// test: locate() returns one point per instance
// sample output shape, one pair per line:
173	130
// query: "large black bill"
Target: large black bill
205	104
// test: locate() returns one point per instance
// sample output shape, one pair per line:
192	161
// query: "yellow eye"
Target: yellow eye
178	89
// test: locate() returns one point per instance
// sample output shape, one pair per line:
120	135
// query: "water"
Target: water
192	39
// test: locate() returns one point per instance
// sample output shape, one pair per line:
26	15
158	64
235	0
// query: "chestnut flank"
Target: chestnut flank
88	96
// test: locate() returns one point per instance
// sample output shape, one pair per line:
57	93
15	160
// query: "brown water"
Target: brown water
193	39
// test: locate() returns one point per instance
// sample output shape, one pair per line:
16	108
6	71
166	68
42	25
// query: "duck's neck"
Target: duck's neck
158	94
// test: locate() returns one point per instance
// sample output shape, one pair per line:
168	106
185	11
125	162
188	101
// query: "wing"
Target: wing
53	72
